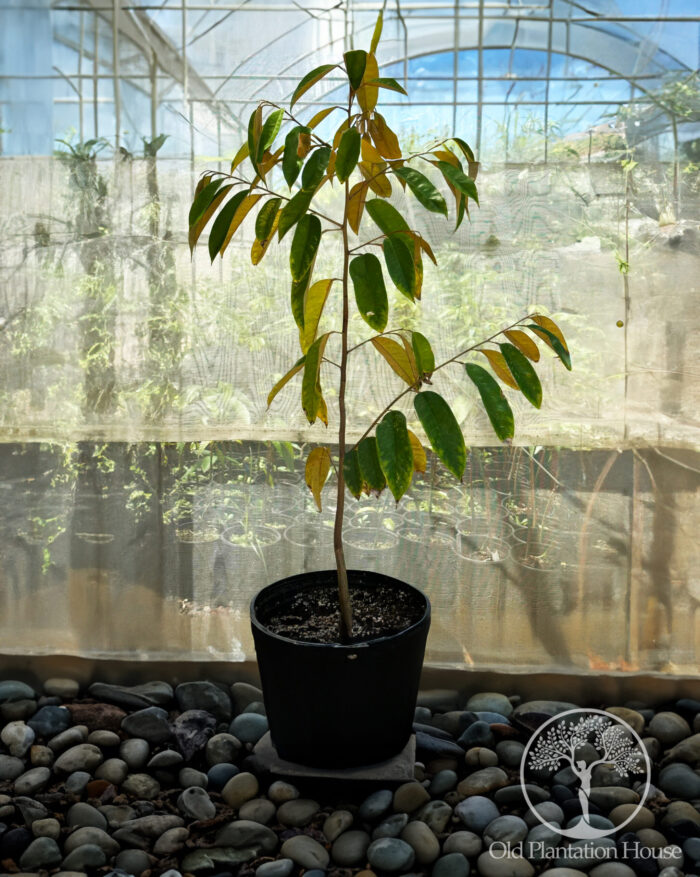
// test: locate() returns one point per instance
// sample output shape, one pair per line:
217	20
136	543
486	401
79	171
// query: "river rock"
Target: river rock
306	852
443	781
11	690
476	813
85	858
297	813
50	720
82	814
204	696
133	697
424	843
134	862
97	716
222	749
83	757
409	797
196	803
10	767
376	805
59	686
350	849
18	737
249	727
151	724
257	810
513	866
135	752
631	717
239	789
70	737
41	853
483	781
391	827
335	824
505	830
669	728
91	835
32	781
114	770
280	792
277	868
243	833
436	815
41	756
679	781
48	827
391	854
490	701
465	842
141	785
171	841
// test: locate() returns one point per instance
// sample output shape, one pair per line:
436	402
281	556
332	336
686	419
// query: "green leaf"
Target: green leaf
499	411
387	218
524	374
218	232
351	471
459	180
307	237
395	453
299	288
310	80
293	211
203	200
254	131
466	149
423	189
348	153
370	467
442	429
315	167
355	63
551	339
310	386
391	84
266	218
370	291
398	256
423	352
270	130
291	161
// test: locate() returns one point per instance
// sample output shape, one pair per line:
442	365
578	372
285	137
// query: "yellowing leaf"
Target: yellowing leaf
370	153
425	246
552	327
285	379
259	247
397	357
420	461
339	133
314	301
498	364
446	155
377	35
524	343
320	116
240	156
322	410
377	181
356	205
240	214
367	94
384	138
318	465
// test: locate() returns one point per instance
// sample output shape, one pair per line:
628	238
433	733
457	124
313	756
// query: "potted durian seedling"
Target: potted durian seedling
352	640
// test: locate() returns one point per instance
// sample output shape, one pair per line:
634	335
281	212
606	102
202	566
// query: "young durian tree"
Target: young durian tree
365	159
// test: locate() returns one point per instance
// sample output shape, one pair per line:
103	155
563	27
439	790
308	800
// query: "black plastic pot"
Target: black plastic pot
332	705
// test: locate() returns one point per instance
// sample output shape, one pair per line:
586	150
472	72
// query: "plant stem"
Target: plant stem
343	591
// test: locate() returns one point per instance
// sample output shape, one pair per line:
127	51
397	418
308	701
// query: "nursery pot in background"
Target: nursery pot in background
332	705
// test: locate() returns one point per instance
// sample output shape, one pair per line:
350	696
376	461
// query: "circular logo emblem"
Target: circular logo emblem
581	740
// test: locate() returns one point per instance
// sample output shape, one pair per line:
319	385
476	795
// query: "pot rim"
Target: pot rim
349	647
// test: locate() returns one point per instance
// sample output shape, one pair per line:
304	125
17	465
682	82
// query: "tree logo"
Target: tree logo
583	740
